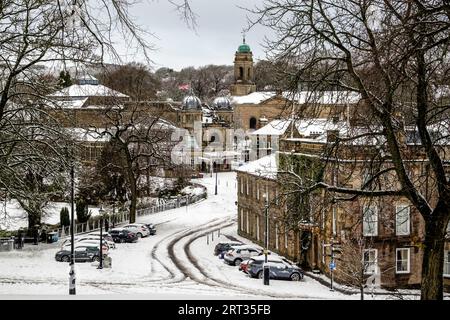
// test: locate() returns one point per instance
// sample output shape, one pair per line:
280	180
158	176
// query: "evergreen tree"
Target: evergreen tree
64	217
82	211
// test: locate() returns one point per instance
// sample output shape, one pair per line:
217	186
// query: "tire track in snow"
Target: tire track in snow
228	285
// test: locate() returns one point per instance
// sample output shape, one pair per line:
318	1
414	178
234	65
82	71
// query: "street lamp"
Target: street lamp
266	271
101	212
72	277
216	184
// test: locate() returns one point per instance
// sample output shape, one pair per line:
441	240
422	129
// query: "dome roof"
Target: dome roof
244	48
191	102
222	103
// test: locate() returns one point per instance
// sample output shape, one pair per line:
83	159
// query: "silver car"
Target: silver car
138	229
237	254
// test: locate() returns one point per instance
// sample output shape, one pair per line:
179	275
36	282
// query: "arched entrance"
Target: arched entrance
252	123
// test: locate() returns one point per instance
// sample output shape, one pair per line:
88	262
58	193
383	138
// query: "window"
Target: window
286	238
402	260
247	187
370	260
370	221
257	227
247	225
242	219
447	263
242	185
257	190
276	236
402	220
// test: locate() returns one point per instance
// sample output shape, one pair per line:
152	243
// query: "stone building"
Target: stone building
387	231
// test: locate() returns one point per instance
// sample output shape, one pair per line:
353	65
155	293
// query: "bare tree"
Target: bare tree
395	55
35	37
133	79
143	140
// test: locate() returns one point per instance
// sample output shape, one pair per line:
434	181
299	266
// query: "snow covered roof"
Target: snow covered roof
301	97
71	104
306	128
252	98
324	97
320	126
266	167
274	128
88	90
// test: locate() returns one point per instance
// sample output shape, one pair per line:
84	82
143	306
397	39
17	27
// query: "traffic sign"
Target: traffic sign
332	266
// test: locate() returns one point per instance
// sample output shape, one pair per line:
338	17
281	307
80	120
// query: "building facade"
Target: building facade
383	235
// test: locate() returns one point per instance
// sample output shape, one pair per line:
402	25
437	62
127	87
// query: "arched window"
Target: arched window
241	73
252	124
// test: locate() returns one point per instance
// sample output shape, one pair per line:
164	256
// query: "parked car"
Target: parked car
85	253
123	235
92	243
244	264
82	240
223	247
105	235
91	238
140	230
150	226
237	254
277	270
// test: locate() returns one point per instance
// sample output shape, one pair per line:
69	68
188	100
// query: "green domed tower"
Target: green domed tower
243	71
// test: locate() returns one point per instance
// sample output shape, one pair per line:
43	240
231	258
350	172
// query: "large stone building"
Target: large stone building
388	232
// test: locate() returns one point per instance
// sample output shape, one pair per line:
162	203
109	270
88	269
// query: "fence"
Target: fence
123	217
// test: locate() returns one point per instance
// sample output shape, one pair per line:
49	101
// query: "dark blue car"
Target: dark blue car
277	270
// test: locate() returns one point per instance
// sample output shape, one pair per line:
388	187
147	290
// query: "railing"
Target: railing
123	217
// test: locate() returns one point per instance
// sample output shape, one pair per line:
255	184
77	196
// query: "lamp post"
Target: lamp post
101	212
72	277
212	169
114	204
216	184
266	270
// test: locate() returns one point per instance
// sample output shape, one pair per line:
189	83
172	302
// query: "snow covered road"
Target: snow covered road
176	263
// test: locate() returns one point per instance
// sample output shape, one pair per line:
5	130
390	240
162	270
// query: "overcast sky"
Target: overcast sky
216	39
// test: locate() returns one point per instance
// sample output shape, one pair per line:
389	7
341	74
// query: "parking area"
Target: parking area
307	288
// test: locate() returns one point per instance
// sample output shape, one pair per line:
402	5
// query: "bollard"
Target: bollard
207	238
212	236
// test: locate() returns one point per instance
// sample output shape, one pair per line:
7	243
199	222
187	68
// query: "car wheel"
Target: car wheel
95	259
65	258
295	277
139	235
237	262
260	274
